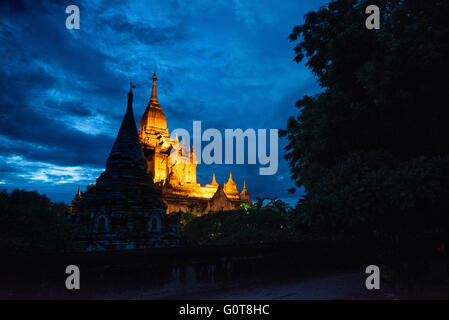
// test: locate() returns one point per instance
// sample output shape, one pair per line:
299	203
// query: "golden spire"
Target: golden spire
214	182
244	195
153	98
231	188
153	119
230	178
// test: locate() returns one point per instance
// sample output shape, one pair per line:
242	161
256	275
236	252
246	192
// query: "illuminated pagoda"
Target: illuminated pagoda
176	179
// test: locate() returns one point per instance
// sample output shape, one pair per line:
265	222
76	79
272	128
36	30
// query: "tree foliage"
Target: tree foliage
31	223
371	149
243	226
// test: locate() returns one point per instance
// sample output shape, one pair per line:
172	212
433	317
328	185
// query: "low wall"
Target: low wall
153	273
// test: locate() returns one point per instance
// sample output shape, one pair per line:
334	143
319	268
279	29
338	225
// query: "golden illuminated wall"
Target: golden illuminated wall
179	168
160	169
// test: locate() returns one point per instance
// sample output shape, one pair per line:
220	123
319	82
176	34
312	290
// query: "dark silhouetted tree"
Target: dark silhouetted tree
371	149
31	223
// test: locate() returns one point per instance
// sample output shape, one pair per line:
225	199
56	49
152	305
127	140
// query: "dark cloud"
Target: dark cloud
143	33
37	135
63	92
11	7
70	107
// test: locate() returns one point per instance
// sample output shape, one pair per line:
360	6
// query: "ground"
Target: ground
347	285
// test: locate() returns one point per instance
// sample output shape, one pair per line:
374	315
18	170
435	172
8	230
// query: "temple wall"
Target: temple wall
195	206
160	167
174	272
130	229
199	206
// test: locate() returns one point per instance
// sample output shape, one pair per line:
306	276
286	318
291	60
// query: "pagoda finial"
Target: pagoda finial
78	194
130	96
153	98
244	195
126	143
131	86
230	177
214	182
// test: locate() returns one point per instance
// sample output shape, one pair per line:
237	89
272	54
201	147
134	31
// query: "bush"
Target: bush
243	226
31	223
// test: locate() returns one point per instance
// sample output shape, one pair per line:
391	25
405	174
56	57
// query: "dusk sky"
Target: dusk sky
63	92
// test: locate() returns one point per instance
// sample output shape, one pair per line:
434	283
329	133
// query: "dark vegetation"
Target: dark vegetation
371	149
31	223
256	224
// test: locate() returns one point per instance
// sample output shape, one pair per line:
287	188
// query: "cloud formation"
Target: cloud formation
63	92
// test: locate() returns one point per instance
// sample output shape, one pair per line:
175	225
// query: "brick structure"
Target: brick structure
123	210
136	201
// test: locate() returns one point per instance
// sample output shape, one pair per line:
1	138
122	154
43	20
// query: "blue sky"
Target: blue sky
63	92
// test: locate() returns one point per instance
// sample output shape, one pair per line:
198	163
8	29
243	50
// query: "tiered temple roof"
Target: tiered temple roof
124	195
230	188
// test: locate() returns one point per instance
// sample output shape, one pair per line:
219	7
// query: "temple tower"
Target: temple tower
153	121
230	189
244	195
170	164
154	137
122	208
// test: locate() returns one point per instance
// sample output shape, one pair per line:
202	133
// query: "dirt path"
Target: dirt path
345	285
